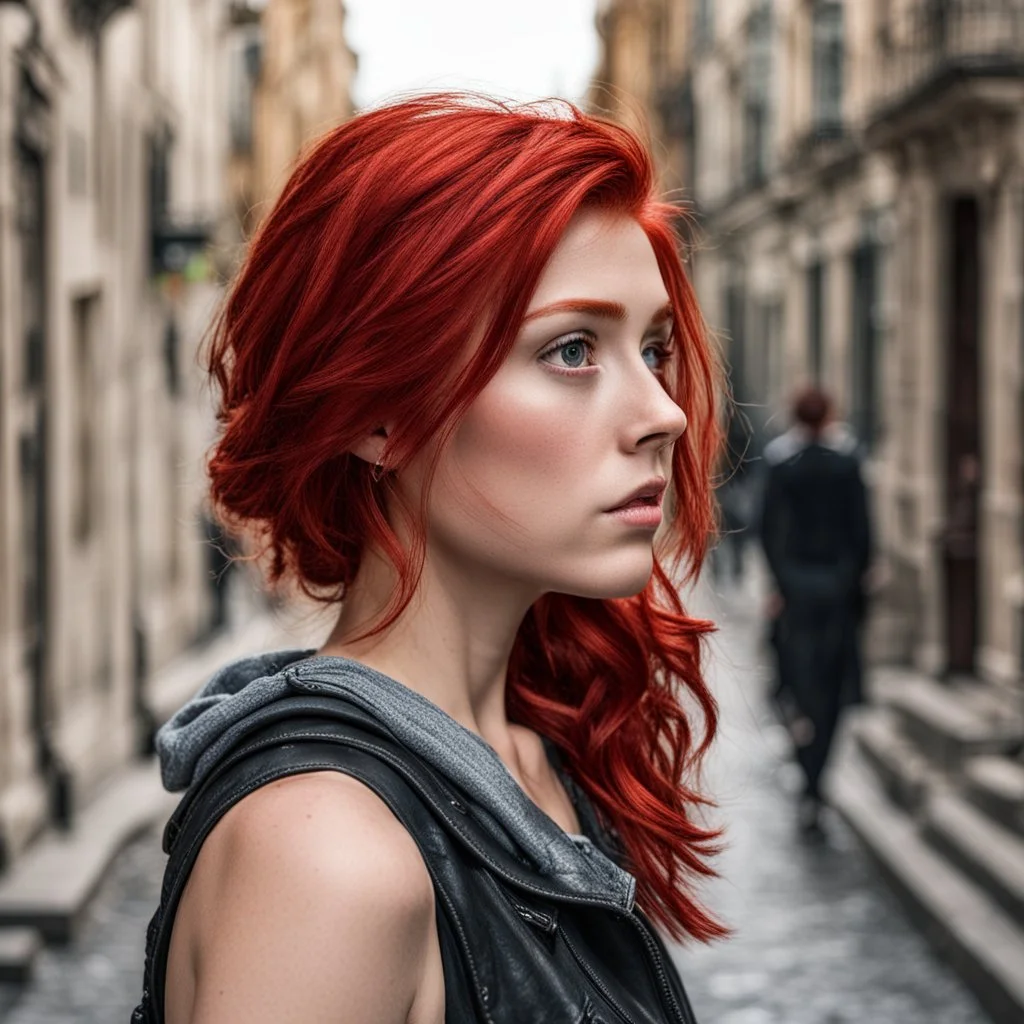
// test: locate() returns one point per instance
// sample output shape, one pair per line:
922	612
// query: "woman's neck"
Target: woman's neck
451	644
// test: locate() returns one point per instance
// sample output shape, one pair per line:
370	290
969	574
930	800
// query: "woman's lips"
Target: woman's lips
644	512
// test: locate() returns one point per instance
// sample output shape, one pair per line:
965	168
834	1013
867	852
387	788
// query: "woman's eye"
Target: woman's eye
572	353
657	355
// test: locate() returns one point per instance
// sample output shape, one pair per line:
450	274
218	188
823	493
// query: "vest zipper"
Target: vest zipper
680	1013
595	980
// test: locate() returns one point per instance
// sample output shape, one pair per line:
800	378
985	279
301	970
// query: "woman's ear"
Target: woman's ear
370	447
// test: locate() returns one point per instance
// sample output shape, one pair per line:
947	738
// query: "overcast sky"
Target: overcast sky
518	48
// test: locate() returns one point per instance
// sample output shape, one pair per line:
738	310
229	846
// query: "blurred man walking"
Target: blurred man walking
816	535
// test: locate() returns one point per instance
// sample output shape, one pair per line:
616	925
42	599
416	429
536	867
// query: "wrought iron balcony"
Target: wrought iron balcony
91	15
928	45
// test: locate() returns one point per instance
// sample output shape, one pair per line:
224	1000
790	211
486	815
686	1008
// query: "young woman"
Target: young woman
466	397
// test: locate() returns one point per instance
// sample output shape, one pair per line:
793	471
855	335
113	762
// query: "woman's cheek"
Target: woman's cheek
524	427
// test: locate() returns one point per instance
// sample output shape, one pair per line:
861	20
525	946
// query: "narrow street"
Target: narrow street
818	936
819	939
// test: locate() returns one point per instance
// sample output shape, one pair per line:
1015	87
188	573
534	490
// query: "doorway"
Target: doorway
32	139
963	467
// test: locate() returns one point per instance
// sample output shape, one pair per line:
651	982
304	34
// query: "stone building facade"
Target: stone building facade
110	157
292	73
645	43
857	173
119	124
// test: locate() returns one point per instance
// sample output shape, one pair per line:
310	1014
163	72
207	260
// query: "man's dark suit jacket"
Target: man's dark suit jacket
815	526
816	534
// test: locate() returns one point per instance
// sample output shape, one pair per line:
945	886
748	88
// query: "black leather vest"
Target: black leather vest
516	948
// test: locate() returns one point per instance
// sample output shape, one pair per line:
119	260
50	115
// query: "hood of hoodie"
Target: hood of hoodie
194	739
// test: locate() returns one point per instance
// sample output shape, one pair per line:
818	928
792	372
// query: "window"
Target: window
31	214
735	307
704	23
84	317
34	134
91	15
866	330
775	356
764	363
171	354
244	73
816	319
757	95
159	180
827	68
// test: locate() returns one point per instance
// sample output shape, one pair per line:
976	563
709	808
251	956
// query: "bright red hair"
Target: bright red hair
411	229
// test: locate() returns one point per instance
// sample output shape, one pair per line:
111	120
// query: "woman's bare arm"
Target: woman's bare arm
313	906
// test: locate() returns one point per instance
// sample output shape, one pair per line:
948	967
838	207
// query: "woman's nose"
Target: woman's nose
656	420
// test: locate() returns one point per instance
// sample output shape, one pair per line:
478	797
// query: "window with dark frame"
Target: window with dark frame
827	68
244	72
84	316
775	357
761	358
864	342
32	144
816	319
158	171
757	95
735	303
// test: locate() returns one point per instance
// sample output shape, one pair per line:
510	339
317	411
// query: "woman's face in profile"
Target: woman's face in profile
572	424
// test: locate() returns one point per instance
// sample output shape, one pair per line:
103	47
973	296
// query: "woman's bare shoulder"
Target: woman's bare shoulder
337	818
309	896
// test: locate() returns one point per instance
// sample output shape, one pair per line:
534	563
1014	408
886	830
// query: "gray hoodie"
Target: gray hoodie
191	742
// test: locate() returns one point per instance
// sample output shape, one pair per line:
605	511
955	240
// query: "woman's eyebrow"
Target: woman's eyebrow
595	307
663	315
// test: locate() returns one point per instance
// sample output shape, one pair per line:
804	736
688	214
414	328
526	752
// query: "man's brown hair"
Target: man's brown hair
812	407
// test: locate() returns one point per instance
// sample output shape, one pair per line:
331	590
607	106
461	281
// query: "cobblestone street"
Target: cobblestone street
819	938
98	978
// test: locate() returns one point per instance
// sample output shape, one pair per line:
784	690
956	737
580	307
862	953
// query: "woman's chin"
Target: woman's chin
622	581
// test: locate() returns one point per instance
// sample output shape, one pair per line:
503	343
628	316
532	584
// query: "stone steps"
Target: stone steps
18	950
902	770
49	887
950	724
996	785
982	942
990	855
